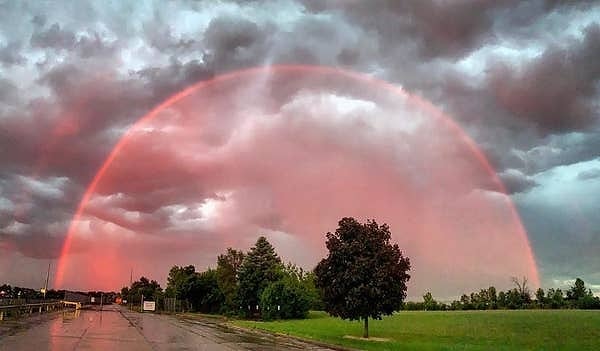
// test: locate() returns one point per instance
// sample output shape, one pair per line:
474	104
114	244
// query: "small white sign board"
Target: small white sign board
149	306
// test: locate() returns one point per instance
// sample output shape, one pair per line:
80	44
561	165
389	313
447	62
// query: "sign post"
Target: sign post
149	306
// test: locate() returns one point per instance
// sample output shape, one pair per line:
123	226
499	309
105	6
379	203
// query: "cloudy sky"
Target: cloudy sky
471	127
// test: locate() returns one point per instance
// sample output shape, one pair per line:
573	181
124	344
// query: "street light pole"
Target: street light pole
46	283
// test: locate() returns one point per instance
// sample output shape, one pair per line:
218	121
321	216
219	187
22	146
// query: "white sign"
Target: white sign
149	306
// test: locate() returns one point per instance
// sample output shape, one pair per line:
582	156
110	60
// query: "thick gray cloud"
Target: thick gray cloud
521	78
54	38
556	91
10	54
516	182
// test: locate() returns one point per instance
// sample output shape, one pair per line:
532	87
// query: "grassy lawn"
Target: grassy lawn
455	330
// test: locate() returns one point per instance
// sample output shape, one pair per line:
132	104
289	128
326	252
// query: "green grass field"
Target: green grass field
453	330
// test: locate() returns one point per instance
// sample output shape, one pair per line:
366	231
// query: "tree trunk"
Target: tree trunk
366	330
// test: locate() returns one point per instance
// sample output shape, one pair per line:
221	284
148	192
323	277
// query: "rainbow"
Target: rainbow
323	70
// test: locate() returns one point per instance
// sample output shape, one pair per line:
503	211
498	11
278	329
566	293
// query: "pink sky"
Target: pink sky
286	154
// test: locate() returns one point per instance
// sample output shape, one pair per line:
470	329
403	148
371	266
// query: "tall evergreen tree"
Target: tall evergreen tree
260	267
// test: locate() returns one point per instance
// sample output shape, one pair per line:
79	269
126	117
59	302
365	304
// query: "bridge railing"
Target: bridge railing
14	302
29	308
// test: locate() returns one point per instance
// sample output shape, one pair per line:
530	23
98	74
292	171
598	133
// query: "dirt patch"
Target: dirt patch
367	339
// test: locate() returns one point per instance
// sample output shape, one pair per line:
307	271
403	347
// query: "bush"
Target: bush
588	302
284	299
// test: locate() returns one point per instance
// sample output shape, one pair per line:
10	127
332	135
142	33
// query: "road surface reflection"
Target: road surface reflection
114	328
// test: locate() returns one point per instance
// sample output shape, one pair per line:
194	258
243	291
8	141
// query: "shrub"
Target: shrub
284	299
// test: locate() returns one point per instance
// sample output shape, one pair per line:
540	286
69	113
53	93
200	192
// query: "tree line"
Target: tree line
519	297
363	277
251	284
9	292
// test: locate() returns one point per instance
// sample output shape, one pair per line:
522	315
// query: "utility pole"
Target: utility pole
130	286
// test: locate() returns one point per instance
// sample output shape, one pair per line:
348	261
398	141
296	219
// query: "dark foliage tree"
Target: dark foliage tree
589	302
228	267
555	298
493	297
581	297
260	267
540	297
203	293
465	301
16	292
6	291
364	276
125	293
578	290
147	289
501	299
177	280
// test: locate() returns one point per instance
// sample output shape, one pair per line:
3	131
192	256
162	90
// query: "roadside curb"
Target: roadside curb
259	331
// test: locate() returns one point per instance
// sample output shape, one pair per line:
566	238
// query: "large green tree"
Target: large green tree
364	276
148	289
429	303
177	280
260	267
578	290
202	291
228	268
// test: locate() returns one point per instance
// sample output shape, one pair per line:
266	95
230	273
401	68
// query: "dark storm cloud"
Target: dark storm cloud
38	20
556	91
93	45
566	149
54	37
35	244
166	80
516	182
552	4
10	54
234	42
436	28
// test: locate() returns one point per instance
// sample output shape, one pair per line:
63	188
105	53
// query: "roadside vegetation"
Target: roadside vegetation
256	284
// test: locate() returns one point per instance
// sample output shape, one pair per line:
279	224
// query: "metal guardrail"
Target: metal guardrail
14	302
23	309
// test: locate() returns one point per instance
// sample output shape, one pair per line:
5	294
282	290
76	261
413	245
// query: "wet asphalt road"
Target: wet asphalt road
116	329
